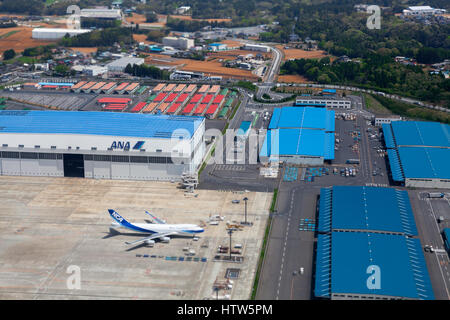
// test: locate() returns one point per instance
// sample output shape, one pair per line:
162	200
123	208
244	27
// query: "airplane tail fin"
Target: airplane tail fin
117	217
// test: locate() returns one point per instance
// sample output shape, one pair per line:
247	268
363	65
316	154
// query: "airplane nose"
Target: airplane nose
110	211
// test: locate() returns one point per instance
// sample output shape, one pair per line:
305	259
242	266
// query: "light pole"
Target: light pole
245	201
230	232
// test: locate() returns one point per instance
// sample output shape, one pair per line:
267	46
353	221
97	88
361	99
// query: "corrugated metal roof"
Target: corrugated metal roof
95	123
388	136
395	165
324	221
422	162
403	272
302	117
421	133
322	286
372	209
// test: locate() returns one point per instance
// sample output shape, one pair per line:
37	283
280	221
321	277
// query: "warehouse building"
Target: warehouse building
299	135
323	101
256	47
367	246
102	13
55	34
422	11
100	145
418	153
178	42
120	64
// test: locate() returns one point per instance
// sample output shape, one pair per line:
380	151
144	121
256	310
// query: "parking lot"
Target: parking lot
50	224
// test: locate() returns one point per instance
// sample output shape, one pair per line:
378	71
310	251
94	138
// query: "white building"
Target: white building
179	43
120	64
92	71
182	9
103	13
100	145
328	102
422	11
56	34
382	120
256	47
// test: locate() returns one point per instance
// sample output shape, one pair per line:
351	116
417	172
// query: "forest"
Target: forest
375	72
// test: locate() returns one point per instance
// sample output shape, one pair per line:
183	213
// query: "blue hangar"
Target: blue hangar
419	153
367	246
100	145
299	135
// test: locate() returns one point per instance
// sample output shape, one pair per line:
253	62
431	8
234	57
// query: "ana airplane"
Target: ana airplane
158	230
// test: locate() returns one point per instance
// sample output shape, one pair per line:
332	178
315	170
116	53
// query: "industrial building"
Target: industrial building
300	135
367	246
92	70
56	34
100	145
422	11
179	43
379	121
120	64
323	101
256	47
102	13
418	153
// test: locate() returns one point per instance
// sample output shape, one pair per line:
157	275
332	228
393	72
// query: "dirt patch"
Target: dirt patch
215	68
293	53
232	43
142	38
136	19
161	60
293	79
19	40
85	50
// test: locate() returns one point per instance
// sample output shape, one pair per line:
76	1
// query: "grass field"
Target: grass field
375	106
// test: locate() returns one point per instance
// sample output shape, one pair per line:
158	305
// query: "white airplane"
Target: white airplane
159	230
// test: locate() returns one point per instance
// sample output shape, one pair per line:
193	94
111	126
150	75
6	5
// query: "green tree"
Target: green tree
9	54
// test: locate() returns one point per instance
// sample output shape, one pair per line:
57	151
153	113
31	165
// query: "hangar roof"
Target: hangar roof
402	266
421	133
302	117
418	149
367	209
97	123
421	162
305	142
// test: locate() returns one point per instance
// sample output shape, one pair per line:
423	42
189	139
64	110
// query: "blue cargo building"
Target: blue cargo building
418	153
367	246
300	135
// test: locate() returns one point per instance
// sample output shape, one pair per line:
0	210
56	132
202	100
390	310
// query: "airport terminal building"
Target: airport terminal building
100	145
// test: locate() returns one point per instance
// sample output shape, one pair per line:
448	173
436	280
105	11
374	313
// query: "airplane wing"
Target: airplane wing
153	236
156	219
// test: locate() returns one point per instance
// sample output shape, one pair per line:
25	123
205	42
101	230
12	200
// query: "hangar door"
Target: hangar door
73	165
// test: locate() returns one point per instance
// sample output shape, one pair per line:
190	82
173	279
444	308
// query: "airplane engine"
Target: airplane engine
150	242
165	239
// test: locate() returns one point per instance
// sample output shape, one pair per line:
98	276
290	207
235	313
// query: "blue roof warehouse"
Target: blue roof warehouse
374	234
418	153
300	135
100	145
